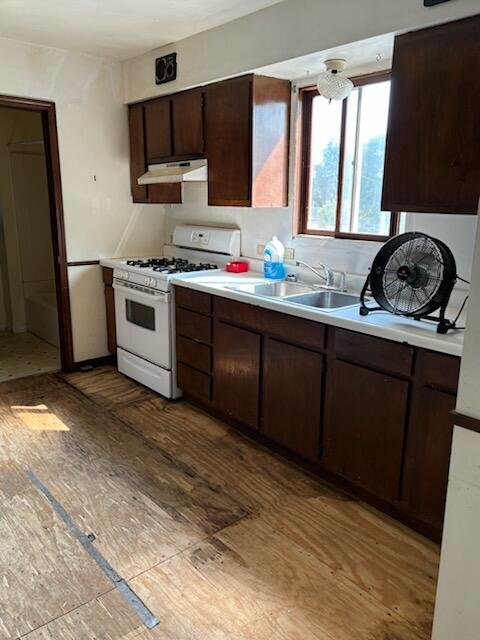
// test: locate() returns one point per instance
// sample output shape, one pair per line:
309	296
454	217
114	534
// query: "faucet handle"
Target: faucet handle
342	281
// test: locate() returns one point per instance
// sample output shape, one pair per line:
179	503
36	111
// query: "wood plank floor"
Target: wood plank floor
220	538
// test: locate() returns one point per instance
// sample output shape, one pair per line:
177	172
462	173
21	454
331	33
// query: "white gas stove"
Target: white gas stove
144	309
156	273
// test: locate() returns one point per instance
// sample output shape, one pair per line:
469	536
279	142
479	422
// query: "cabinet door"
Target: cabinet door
137	152
236	372
365	427
158	130
228	142
107	275
292	397
187	119
111	327
427	455
167	193
432	158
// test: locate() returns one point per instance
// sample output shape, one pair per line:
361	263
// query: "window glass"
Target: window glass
361	210
350	139
324	164
363	137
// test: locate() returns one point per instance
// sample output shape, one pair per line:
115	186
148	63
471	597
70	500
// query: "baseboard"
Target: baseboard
21	328
95	362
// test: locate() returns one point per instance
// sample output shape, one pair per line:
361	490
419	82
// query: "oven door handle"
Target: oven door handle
151	297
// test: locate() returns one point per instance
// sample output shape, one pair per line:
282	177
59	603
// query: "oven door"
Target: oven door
144	323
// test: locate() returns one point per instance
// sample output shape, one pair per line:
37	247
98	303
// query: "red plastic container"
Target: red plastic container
237	266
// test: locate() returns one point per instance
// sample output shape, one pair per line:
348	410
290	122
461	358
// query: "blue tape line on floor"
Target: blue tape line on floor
121	585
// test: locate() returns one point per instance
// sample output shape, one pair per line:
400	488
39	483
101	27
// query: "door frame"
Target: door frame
52	160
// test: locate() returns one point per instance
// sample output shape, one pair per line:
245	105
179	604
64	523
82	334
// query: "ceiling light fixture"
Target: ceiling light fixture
330	84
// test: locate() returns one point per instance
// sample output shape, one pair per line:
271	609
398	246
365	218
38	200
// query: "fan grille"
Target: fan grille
413	275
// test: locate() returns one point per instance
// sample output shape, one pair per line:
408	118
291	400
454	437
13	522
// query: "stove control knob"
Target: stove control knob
153	282
126	275
146	280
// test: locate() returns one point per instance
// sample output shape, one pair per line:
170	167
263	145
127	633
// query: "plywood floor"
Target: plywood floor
219	538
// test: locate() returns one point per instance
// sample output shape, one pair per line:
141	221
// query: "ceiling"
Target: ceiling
116	29
364	56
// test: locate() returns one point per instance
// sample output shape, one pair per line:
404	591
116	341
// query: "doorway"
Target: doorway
35	325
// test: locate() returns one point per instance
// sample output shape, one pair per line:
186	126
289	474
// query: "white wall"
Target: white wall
100	219
281	32
457	614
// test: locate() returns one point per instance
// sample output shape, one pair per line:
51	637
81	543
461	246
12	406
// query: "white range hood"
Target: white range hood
184	171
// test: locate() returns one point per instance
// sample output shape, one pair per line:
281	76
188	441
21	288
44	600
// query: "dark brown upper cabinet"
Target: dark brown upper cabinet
247	133
155	193
137	152
432	159
174	127
158	130
241	126
187	125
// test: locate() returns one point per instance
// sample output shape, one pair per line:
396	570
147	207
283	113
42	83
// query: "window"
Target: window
343	149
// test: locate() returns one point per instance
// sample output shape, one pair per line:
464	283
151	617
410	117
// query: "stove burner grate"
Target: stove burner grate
170	266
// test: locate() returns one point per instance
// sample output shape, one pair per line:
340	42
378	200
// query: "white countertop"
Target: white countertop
379	323
113	263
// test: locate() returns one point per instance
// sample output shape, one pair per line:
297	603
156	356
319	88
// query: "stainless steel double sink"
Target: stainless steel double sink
302	294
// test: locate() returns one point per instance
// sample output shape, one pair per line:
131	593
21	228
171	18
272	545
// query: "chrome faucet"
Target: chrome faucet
328	278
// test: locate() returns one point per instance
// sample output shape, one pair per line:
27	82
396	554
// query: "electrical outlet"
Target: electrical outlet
289	253
260	250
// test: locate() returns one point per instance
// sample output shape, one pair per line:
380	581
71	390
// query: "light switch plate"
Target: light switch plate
289	253
260	250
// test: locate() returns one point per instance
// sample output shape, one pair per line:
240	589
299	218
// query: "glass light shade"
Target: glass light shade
333	86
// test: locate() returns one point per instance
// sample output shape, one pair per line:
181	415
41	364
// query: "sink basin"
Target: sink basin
279	289
325	299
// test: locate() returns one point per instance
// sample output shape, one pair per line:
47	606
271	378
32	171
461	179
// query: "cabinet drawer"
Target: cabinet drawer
193	325
195	354
438	370
193	300
391	357
193	382
280	325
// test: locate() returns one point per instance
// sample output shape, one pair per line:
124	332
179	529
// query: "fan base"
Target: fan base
443	324
443	327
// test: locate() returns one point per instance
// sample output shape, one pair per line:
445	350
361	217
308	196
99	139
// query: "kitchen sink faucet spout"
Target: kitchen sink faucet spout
328	278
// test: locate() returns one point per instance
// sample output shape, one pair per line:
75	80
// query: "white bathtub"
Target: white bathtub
41	316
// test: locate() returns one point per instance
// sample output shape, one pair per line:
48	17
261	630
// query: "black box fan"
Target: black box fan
412	275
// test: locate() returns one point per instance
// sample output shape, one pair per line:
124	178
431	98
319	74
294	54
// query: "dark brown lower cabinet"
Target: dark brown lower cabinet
292	397
365	428
427	455
236	372
194	383
370	414
110	310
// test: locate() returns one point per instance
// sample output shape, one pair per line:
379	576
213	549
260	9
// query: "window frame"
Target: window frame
306	96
